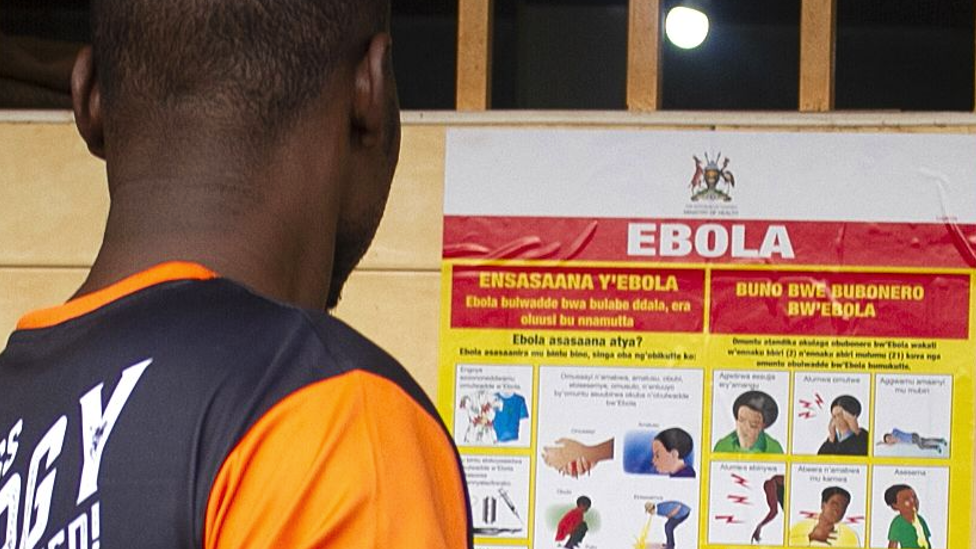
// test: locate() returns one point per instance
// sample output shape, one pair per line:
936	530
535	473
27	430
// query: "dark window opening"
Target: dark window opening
425	53
559	54
904	55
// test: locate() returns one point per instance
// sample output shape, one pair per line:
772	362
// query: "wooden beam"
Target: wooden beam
644	55
474	55
818	25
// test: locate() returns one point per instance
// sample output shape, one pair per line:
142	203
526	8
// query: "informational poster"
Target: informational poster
716	339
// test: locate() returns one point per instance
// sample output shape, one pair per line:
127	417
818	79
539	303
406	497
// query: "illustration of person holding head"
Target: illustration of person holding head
825	529
844	436
675	512
754	412
572	527
908	528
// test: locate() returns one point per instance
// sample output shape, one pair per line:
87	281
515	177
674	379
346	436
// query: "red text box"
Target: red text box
841	304
567	298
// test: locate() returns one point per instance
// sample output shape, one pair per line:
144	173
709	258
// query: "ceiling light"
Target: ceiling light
686	27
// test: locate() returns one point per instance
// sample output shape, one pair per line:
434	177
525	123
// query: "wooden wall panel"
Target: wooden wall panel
644	55
53	198
474	55
400	311
818	24
409	237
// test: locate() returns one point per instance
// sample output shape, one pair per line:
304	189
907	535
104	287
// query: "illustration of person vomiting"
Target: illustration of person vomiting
825	529
897	436
908	528
754	412
667	454
844	436
572	527
675	512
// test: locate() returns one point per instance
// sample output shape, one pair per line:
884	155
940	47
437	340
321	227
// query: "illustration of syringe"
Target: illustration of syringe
508	501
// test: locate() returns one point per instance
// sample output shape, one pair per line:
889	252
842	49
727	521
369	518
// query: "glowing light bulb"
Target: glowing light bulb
686	27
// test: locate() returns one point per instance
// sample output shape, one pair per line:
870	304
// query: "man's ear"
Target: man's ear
86	99
373	88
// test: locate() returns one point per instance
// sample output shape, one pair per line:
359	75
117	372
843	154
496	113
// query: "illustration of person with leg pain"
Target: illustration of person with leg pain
775	490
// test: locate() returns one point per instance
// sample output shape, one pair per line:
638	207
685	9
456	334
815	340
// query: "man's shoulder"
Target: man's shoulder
219	325
276	347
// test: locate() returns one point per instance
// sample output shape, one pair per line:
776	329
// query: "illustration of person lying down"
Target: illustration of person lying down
897	436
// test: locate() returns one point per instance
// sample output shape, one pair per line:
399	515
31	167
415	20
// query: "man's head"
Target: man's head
902	498
247	90
669	449
583	503
833	504
754	411
255	65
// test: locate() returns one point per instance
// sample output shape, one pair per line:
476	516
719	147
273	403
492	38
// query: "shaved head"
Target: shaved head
247	64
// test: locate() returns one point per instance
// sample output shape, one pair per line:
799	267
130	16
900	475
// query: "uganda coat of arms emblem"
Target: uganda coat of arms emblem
708	176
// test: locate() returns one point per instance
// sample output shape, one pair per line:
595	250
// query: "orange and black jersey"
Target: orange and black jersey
176	409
